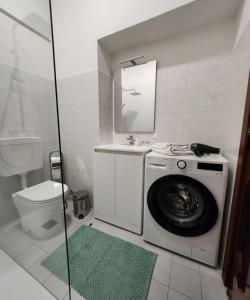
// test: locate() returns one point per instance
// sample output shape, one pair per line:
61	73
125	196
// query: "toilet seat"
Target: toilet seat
44	192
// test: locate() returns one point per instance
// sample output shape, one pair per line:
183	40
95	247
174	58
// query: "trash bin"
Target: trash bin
81	204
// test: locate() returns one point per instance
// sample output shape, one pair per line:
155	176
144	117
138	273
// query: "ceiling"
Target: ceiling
178	21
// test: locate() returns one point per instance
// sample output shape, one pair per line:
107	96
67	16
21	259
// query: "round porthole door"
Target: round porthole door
182	205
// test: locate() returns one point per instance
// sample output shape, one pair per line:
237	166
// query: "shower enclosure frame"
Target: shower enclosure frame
59	141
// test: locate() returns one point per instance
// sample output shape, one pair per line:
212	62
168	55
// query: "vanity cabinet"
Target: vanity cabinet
118	188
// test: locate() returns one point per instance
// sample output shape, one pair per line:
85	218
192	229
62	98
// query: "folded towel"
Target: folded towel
172	149
162	145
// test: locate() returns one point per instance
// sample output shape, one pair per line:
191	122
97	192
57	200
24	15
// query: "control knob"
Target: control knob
181	164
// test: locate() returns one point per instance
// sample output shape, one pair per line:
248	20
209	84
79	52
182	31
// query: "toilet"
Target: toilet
40	207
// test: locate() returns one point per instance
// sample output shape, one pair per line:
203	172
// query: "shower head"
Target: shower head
135	93
132	92
37	22
131	62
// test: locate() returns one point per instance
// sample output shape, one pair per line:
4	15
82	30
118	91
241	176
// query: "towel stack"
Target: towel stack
172	149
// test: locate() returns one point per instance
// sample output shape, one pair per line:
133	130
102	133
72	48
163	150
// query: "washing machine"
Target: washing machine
184	203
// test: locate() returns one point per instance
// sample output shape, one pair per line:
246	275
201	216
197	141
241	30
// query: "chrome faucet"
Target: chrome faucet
131	140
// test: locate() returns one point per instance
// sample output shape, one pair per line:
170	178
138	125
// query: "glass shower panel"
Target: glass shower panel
32	219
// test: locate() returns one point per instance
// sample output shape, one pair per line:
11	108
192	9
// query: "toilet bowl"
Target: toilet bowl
40	208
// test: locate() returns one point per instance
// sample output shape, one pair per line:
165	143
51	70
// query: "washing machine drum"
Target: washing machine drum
182	205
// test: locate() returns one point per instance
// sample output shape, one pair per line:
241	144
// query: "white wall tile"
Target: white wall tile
175	101
177	77
79	124
199	73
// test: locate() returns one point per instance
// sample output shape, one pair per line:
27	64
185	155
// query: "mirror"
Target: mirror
134	98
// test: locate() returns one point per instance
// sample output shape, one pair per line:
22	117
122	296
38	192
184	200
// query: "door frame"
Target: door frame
233	258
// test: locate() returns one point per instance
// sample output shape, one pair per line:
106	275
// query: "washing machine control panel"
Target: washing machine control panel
181	164
184	165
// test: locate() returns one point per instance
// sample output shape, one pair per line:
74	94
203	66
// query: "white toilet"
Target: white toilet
39	206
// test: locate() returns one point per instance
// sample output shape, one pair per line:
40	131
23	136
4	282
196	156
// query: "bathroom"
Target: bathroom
78	175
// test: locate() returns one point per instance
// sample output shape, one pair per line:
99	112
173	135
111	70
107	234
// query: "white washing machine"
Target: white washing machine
184	202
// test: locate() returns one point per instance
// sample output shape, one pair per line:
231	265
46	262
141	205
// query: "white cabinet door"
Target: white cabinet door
129	187
104	184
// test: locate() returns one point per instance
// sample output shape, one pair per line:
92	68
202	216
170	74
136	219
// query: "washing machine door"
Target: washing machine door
182	205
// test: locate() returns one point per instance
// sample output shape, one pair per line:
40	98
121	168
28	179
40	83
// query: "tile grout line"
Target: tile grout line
64	296
41	282
210	276
20	235
20	253
159	282
182	265
40	258
28	248
200	282
190	270
181	293
171	263
201	288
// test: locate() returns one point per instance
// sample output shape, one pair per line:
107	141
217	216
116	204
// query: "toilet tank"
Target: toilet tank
19	155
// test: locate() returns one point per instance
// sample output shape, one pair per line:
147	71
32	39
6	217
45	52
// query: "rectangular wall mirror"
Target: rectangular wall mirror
134	98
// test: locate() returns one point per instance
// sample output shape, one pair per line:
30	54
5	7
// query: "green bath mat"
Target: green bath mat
103	267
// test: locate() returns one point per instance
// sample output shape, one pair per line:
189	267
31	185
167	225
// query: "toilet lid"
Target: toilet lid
43	192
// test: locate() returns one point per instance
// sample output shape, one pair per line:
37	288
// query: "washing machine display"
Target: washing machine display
182	205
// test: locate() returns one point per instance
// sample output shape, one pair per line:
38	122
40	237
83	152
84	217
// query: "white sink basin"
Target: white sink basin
123	148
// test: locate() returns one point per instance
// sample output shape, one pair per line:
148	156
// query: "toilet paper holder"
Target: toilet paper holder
56	165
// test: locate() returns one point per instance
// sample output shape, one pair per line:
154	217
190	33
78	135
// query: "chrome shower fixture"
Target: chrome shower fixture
134	61
136	93
132	92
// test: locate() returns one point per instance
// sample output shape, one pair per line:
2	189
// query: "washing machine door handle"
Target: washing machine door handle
157	166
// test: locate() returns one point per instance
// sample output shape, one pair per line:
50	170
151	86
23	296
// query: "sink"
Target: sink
123	148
